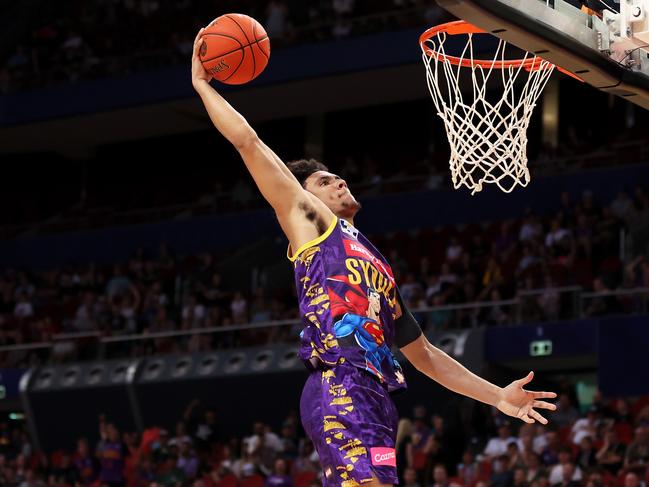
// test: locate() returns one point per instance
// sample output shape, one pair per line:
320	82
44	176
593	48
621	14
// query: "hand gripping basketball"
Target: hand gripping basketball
235	49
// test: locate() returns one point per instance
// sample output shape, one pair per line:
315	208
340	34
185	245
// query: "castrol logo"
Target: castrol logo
383	456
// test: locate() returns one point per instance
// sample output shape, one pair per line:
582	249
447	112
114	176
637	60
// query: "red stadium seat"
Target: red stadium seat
564	434
304	479
230	480
484	470
252	481
624	432
639	405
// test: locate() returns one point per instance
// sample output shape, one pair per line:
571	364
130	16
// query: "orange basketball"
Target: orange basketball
236	49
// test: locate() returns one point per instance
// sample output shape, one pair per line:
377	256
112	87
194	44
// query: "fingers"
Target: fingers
543	395
531	416
198	42
525	380
527	419
537	417
544	405
198	36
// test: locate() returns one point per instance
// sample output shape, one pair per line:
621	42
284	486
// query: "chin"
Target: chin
349	208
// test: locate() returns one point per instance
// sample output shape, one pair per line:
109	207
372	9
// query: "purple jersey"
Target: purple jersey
347	297
111	458
85	470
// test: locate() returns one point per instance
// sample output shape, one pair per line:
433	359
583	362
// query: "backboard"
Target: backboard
608	50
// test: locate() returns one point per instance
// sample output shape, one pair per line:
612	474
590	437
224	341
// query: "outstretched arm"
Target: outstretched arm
276	183
512	400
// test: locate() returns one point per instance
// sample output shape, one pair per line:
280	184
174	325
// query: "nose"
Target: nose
342	184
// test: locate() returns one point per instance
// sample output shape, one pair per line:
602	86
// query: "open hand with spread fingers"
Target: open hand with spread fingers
520	403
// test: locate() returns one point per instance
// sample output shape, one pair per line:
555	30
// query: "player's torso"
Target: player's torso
347	298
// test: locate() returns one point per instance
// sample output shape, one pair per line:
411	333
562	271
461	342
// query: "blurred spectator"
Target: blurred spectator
187	459
505	242
622	206
279	477
410	290
501	476
111	454
497	446
549	300
631	480
201	424
239	308
565	470
31	480
586	454
569	476
601	305
24	307
454	250
550	453
531	229
520	478
410	478
534	468
611	455
585	427
468	469
566	413
637	453
181	436
85	465
440	476
493	275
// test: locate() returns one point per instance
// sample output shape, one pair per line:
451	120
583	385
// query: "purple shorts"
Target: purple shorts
352	421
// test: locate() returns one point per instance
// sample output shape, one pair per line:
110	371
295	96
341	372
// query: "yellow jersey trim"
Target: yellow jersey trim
313	242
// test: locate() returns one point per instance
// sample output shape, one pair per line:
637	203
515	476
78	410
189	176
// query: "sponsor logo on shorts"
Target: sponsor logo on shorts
382	456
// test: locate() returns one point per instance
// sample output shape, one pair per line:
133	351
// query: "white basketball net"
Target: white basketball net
488	139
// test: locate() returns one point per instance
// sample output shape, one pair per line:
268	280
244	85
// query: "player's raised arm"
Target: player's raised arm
512	400
278	186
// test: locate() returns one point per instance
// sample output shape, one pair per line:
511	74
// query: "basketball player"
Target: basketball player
352	313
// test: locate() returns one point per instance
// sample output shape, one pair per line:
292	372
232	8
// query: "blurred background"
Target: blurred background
148	321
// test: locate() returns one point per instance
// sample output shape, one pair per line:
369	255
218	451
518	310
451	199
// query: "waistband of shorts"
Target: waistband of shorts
316	366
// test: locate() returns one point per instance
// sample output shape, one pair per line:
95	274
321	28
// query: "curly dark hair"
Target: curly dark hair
303	168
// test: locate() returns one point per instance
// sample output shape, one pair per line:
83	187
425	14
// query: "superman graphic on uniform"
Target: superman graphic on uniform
357	315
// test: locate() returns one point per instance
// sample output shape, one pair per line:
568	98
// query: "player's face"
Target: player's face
332	190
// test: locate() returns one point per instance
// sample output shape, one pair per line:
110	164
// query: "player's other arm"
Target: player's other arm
276	183
512	400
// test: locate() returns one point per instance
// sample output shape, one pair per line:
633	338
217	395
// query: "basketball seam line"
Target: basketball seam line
235	69
254	26
235	50
261	50
254	61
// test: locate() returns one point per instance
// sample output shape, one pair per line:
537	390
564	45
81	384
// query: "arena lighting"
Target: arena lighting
44	378
119	373
234	363
95	374
181	367
262	360
452	343
207	365
289	359
70	376
153	369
